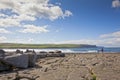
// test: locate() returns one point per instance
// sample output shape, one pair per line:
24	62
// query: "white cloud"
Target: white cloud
20	40
58	3
111	39
34	29
3	15
84	41
2	30
111	35
2	38
115	3
30	40
9	22
98	42
67	13
30	10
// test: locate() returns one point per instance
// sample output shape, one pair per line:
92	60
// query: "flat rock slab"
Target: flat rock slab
18	60
31	59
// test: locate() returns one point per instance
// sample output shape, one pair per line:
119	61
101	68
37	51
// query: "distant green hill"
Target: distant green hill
37	46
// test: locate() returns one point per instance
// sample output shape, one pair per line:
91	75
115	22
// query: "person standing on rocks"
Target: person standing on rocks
102	50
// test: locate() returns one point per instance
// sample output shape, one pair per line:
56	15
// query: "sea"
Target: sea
76	50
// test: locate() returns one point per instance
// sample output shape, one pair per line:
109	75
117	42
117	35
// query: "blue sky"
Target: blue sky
60	21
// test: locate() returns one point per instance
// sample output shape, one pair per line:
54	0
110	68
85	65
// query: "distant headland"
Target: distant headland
41	46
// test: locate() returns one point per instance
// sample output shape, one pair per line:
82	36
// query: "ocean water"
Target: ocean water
75	50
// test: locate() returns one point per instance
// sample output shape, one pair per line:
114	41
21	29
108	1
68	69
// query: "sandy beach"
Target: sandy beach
102	66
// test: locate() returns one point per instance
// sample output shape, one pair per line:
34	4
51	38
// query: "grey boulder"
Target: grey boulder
18	60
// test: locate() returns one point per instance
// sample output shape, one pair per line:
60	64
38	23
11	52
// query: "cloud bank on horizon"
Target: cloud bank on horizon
109	40
17	16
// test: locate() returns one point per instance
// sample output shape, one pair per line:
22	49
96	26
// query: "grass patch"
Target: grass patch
94	77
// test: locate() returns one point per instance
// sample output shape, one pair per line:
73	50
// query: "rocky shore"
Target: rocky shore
92	66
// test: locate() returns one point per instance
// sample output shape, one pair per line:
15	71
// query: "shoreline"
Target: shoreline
72	50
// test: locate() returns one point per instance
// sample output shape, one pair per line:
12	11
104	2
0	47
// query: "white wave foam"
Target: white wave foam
92	51
47	50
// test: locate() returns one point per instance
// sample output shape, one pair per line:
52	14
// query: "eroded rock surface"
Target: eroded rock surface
72	67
